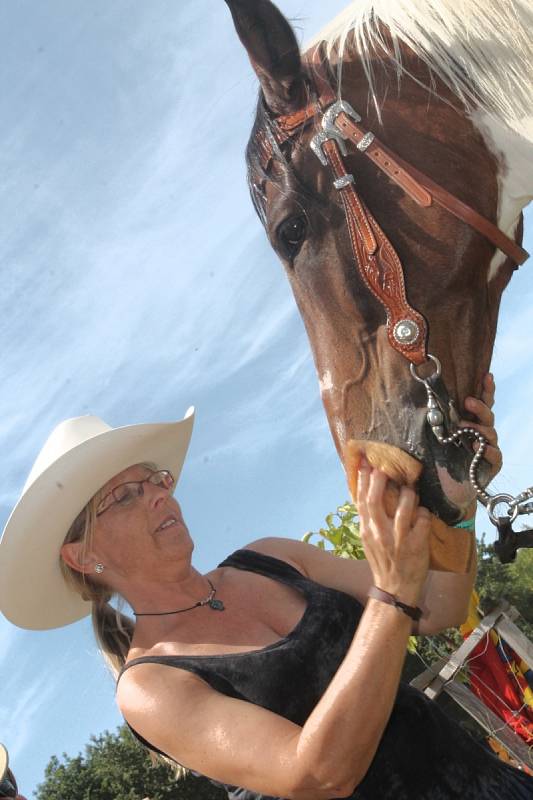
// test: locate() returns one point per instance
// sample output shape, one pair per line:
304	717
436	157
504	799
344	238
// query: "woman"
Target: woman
273	671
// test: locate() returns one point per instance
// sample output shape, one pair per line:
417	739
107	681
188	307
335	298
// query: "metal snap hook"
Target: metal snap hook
436	374
495	501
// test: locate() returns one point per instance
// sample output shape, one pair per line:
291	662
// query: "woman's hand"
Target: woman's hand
396	547
481	408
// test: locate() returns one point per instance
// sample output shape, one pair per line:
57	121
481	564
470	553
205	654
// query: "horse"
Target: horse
435	95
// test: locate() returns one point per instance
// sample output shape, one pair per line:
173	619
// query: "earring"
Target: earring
99	568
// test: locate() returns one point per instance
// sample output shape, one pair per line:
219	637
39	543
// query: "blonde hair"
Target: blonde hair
482	51
113	629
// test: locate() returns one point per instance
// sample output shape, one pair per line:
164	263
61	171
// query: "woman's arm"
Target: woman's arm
239	743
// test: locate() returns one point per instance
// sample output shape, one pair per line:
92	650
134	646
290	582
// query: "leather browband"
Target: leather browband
422	189
376	259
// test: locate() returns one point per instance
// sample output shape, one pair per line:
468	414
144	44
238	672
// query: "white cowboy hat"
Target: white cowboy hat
4	762
77	459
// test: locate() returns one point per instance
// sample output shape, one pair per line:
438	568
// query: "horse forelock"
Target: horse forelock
274	168
482	51
258	171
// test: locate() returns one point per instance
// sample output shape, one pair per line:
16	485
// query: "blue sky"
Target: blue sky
137	281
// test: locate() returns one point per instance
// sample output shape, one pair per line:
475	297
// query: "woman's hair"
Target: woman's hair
113	630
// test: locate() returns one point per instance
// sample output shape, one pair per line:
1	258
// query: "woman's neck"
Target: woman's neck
155	595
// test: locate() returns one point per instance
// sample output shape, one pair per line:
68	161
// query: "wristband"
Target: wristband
379	594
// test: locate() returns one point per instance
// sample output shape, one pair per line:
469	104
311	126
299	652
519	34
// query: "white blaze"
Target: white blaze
514	152
325	382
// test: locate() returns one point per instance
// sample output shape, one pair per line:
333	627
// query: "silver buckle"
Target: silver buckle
330	131
317	143
330	117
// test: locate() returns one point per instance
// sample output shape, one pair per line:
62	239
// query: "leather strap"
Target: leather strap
424	190
375	257
413	612
378	262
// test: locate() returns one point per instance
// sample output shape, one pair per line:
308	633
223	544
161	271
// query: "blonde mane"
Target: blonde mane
481	49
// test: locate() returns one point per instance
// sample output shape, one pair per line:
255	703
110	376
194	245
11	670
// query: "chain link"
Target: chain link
436	419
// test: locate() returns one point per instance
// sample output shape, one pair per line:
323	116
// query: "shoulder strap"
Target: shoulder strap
269	566
251	561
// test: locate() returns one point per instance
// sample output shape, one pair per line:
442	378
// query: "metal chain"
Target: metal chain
515	504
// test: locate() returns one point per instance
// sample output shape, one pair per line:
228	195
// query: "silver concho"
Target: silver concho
406	331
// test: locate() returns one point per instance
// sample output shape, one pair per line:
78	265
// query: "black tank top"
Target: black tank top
423	755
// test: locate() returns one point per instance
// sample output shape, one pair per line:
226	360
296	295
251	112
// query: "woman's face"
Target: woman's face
145	536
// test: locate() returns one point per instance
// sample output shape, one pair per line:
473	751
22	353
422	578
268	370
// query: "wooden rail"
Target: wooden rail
440	676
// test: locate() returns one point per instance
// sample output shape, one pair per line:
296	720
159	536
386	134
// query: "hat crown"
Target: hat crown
68	434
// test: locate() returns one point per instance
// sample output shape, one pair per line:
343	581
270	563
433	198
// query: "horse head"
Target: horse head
453	275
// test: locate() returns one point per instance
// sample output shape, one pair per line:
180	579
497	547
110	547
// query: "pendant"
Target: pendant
216	605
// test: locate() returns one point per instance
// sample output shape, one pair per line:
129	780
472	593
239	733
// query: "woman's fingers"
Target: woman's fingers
371	486
363	479
488	389
403	518
492	454
396	548
376	491
488	432
481	409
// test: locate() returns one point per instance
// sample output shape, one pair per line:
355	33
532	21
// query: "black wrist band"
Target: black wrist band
379	594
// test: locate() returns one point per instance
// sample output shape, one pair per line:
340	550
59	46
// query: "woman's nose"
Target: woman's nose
155	494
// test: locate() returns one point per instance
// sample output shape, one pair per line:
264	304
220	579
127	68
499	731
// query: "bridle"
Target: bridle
381	269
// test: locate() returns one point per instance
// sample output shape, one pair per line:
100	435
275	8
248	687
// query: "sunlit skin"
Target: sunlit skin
237	742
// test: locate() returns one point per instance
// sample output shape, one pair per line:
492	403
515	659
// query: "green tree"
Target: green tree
116	767
512	581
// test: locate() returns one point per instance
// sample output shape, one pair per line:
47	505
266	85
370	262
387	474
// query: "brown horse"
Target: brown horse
445	86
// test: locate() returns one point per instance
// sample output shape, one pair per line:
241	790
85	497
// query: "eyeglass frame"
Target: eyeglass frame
139	484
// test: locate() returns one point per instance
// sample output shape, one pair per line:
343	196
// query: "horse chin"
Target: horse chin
441	476
447	498
444	485
440	473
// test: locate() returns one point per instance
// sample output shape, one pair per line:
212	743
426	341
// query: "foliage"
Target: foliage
116	767
512	581
342	533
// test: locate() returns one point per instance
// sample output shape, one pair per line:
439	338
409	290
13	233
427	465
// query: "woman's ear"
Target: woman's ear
74	557
273	51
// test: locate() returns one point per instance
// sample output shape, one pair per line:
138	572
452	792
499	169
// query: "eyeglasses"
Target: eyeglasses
125	494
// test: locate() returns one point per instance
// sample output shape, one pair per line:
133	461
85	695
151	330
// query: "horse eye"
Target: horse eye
291	235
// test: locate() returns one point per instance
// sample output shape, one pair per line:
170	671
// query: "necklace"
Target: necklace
210	600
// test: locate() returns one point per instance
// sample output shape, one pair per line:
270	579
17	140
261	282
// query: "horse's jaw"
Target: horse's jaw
445	484
440	472
447	497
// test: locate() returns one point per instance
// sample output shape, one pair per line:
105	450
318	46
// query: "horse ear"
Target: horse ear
273	50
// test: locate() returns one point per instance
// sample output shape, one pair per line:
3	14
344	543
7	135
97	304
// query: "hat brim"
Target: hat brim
33	592
4	762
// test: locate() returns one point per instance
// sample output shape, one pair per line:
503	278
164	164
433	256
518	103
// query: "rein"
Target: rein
381	269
